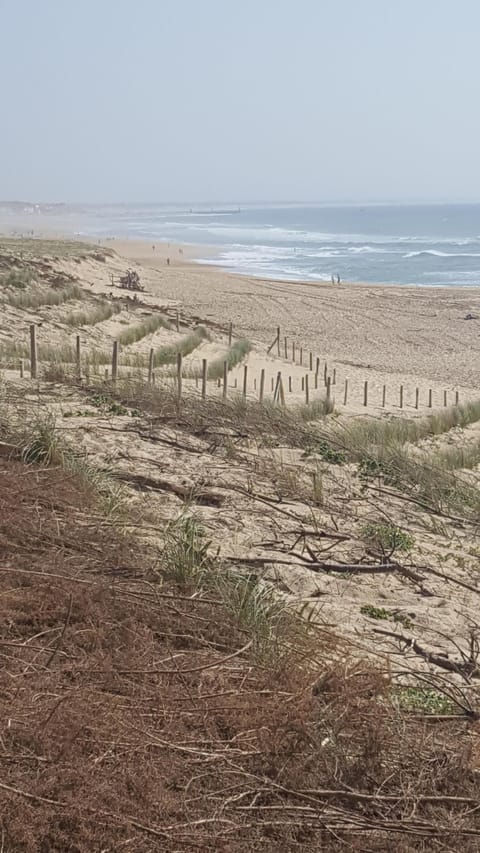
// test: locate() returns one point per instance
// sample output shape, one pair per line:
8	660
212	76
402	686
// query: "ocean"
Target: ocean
393	244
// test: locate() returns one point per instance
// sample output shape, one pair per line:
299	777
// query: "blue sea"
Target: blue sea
393	244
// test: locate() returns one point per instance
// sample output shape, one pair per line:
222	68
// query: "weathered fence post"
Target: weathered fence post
301	355
345	393
293	351
151	360
230	334
329	391
325	372
278	340
21	368
315	379
262	385
177	321
456	398
245	375
286	348
444	398
290	384
334	380
179	375
311	361
78	356
303	383
307	391
204	378
105	374
225	380
365	392
273	382
276	393
429	398
317	366
401	396
384	396
115	361
33	351
417	393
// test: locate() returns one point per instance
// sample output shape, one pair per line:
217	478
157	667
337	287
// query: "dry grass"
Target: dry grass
141	718
168	354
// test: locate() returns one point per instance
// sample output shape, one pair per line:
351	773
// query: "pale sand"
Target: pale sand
407	333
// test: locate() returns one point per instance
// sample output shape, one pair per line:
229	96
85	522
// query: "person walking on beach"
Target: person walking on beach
338	279
333	279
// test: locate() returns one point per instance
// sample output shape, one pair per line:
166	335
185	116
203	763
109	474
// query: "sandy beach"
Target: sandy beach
419	334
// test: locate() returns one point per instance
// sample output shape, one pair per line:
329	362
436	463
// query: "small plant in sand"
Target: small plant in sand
141	330
387	538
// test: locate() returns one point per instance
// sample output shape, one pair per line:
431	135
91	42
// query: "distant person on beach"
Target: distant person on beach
168	262
153	247
333	279
338	279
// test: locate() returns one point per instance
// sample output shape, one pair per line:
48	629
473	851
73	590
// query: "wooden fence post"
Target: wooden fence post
325	370
345	393
293	351
301	355
416	397
365	392
33	351
429	398
115	361
311	361
329	390
456	398
151	365
230	334
273	383
444	398
262	385
78	356
179	375
401	396
204	378
315	379
278	340
303	383
177	321
334	380
105	374
21	368
245	375
286	348
307	392
290	384
225	380
317	366
276	393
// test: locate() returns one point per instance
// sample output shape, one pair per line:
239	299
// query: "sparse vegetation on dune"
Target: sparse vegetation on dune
233	356
168	354
235	723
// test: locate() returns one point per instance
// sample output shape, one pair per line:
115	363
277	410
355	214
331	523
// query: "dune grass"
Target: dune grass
168	353
140	330
39	298
91	316
234	356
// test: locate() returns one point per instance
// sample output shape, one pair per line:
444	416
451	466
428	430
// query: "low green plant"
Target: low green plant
39	298
374	612
256	609
426	700
387	538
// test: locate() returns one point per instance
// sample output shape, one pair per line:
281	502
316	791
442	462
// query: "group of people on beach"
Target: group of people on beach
336	279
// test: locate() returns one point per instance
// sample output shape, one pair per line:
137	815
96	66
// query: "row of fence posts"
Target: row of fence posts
277	385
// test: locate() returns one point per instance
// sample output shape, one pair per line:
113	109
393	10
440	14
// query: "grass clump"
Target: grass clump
19	279
388	538
168	354
234	356
185	555
37	299
141	330
90	317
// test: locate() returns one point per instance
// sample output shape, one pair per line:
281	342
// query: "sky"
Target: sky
240	100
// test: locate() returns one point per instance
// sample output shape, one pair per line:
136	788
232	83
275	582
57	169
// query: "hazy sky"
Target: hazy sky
201	100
